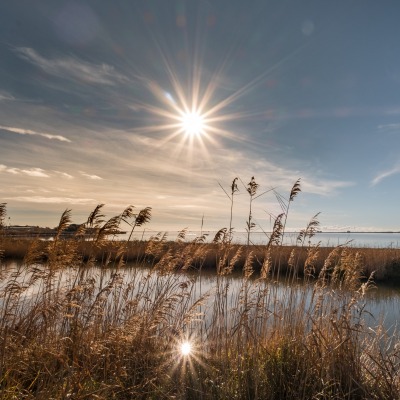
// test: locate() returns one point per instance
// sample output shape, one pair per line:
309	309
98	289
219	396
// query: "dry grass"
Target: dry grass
75	323
383	262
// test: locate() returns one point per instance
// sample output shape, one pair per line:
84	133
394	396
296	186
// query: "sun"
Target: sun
185	348
189	116
193	111
192	123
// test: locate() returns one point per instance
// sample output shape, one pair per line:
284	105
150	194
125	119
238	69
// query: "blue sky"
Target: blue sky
92	95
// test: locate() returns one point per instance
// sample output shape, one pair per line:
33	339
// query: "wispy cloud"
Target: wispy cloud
73	68
280	177
324	188
230	162
4	96
385	174
389	127
64	175
52	200
4	168
93	177
21	131
33	172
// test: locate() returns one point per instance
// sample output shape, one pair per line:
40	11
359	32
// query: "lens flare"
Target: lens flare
185	348
192	123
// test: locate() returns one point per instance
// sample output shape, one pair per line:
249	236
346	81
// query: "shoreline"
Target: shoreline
384	263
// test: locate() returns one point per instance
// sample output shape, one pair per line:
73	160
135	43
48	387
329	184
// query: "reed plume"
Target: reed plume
234	190
296	189
71	331
140	219
309	231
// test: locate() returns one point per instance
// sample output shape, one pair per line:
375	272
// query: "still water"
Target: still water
381	304
329	239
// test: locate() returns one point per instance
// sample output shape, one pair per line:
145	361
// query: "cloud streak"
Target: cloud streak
385	174
324	188
389	127
52	200
4	96
230	162
35	172
73	68
92	177
32	172
64	175
21	131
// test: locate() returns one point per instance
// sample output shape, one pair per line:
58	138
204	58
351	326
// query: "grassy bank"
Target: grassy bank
383	262
68	330
79	332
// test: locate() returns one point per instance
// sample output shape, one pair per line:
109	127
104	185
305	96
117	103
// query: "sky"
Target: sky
162	103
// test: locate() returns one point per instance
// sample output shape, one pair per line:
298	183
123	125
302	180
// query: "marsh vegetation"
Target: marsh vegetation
75	323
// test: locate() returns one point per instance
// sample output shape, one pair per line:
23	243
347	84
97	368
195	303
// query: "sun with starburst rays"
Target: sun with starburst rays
190	122
193	123
185	348
189	116
195	111
183	357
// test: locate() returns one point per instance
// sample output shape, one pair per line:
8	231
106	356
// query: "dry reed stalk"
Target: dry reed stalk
80	332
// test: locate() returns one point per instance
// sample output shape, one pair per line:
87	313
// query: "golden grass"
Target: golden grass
75	323
384	262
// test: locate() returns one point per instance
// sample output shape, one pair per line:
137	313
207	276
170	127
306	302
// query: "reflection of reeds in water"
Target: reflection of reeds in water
68	330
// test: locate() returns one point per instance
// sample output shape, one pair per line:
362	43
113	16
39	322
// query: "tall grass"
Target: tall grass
234	190
81	326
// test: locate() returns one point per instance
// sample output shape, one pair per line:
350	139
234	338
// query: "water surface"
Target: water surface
381	304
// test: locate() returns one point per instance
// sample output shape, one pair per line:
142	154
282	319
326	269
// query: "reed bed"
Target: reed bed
78	324
383	262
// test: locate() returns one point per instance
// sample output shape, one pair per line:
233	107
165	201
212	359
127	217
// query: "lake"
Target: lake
380	304
329	239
